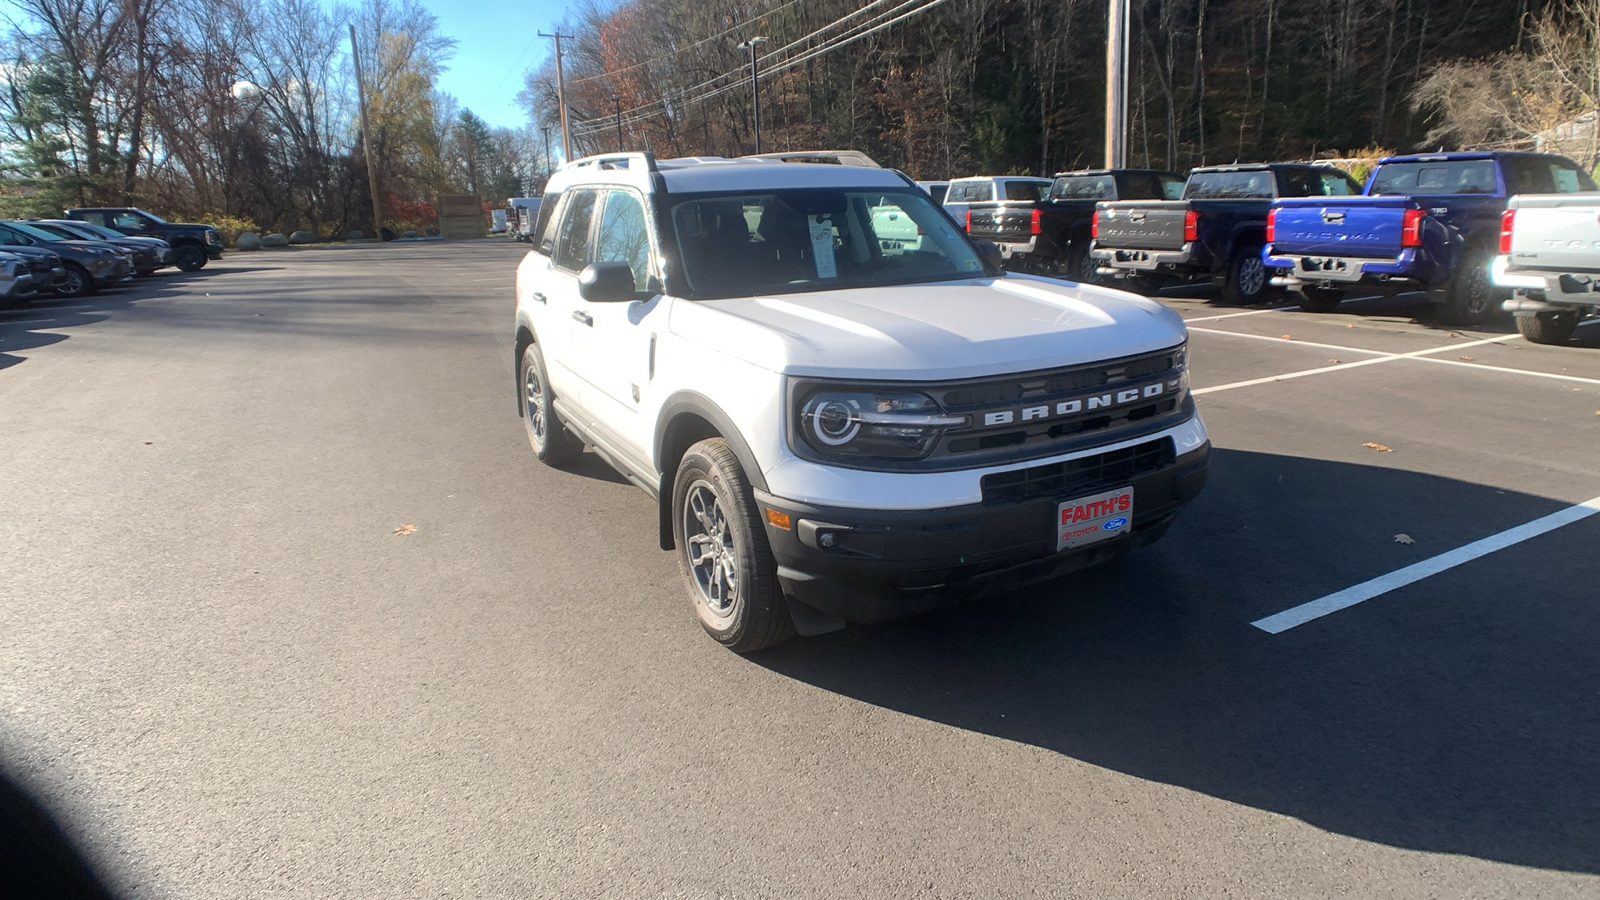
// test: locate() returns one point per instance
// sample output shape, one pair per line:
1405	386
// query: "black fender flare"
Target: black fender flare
671	440
518	344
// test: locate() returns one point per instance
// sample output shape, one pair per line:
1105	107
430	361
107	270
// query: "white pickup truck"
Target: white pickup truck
1550	257
836	425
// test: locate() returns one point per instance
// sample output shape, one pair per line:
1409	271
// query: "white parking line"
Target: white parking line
49	308
1473	365
1383	584
25	321
1253	312
1382	358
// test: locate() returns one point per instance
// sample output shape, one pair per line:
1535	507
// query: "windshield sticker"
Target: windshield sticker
822	246
971	264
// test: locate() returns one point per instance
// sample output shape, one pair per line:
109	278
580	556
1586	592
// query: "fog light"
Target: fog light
827	539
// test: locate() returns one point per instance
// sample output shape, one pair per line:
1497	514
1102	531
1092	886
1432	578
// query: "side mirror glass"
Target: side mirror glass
606	282
990	251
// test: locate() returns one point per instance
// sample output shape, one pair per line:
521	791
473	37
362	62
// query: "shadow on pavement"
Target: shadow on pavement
1461	716
37	860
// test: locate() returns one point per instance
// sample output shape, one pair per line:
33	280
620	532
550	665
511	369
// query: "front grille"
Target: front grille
1077	477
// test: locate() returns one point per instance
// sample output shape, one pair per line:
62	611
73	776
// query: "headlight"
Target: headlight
860	423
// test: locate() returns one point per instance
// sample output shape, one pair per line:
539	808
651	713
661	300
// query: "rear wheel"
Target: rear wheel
1471	295
189	258
74	281
549	438
1246	279
1319	300
1554	327
727	564
1081	267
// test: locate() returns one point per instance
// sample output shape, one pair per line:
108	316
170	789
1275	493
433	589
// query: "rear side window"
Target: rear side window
938	191
970	192
95	218
1533	175
1318	183
1462	176
542	236
1029	191
1229	185
572	232
1098	187
1171	188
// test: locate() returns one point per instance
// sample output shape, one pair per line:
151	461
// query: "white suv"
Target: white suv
835	428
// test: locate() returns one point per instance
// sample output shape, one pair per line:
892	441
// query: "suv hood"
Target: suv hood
930	332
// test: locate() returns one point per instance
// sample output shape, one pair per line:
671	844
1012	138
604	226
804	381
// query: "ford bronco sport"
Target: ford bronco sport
838	428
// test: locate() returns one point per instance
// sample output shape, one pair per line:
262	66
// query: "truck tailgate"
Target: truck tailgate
1361	227
1000	221
1141	225
1556	232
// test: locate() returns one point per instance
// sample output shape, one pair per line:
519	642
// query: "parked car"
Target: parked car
46	266
87	266
1428	223
964	192
831	432
148	254
935	189
1052	235
1550	257
192	245
16	280
1214	234
524	212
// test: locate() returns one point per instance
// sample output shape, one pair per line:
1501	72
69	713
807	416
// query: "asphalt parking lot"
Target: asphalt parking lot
224	674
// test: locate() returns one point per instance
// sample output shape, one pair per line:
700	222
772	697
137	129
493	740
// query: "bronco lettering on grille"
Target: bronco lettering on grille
1048	411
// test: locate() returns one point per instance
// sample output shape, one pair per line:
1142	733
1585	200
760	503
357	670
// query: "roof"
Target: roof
1262	167
694	174
1116	171
999	177
1463	155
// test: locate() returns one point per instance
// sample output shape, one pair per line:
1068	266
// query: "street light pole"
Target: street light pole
616	104
755	88
1117	85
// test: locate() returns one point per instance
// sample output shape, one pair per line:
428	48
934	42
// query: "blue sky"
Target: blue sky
486	72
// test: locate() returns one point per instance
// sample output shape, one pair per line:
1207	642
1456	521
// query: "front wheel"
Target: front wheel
74	282
190	258
1320	300
1554	327
727	564
1246	279
547	435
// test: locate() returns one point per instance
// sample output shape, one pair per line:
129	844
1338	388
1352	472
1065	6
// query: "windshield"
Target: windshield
58	232
1229	185
742	244
88	228
152	216
38	234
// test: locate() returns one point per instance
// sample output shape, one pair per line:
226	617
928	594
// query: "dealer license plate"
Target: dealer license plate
1097	518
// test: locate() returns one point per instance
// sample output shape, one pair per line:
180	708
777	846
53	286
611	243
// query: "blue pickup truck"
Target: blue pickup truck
1428	223
1214	233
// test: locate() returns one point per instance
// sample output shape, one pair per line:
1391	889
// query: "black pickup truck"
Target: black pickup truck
1052	235
192	245
1214	233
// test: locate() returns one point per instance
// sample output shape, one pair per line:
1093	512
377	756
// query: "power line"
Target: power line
673	53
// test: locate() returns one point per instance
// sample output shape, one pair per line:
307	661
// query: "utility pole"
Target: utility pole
755	88
366	139
561	96
1117	85
549	164
616	104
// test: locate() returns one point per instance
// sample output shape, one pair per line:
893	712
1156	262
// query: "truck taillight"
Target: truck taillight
1034	226
1272	226
1411	229
1507	220
969	221
1191	227
1094	225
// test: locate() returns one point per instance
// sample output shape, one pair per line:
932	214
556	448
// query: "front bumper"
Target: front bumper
1123	262
21	286
874	565
1411	270
1550	291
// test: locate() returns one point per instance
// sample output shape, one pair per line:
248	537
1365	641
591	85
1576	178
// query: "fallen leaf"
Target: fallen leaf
1378	447
148	443
1452	334
1349	324
405	529
1464	358
1403	538
1287	338
1333	360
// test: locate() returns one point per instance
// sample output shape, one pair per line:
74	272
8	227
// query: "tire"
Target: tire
1548	327
1246	279
727	564
74	281
1080	268
552	443
189	258
1319	300
1471	296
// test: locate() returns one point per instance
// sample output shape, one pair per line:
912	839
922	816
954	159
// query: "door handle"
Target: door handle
537	297
583	317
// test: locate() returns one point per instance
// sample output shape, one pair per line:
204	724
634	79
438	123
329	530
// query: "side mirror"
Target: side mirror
606	282
990	251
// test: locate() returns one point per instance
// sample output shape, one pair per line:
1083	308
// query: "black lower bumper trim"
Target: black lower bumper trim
874	565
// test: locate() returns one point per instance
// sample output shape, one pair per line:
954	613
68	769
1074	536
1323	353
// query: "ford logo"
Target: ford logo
1114	524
